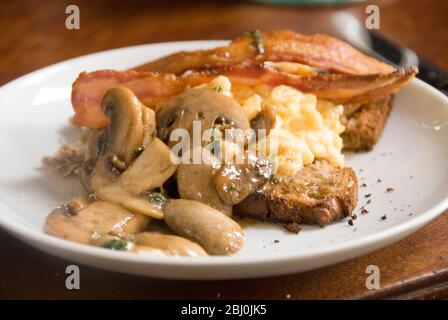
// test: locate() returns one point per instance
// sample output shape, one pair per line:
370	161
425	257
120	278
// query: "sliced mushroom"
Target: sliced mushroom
196	182
83	218
168	245
149	171
94	142
85	174
234	182
130	131
198	104
214	231
131	124
116	176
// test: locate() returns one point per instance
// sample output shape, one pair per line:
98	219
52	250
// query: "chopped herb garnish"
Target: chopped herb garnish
115	244
157	198
218	89
258	40
274	180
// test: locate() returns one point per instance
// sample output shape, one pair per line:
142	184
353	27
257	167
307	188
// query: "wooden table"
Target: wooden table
34	35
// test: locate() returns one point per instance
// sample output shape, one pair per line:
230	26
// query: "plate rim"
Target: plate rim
32	236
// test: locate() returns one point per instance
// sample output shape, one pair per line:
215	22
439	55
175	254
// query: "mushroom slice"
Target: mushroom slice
234	182
85	174
149	171
265	119
82	218
198	104
130	131
168	245
214	231
94	142
196	182
130	123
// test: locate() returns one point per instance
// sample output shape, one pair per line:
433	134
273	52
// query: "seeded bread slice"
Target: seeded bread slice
319	194
365	126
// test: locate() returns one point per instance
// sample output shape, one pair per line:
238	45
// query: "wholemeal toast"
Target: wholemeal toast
363	128
319	194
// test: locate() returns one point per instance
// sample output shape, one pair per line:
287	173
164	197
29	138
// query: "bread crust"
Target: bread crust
365	126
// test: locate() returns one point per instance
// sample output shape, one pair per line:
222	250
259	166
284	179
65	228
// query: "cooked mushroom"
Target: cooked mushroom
234	182
149	171
94	144
131	126
196	182
129	132
265	119
116	176
83	218
214	231
198	104
168	245
94	141
85	174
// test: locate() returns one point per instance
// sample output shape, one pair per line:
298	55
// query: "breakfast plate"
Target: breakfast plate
403	180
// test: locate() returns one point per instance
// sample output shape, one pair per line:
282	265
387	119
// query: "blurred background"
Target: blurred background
34	34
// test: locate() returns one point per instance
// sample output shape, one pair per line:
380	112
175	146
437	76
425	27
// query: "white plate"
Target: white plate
411	158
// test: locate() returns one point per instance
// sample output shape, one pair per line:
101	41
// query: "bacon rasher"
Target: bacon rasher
152	87
316	50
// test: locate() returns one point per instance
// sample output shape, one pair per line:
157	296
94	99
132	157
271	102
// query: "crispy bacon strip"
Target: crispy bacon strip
89	89
317	50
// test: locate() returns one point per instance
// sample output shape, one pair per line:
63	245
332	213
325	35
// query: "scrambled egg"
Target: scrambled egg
306	128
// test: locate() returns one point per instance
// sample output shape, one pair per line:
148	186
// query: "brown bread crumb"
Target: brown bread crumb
292	227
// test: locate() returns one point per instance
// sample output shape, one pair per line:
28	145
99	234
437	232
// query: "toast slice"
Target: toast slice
320	194
364	127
